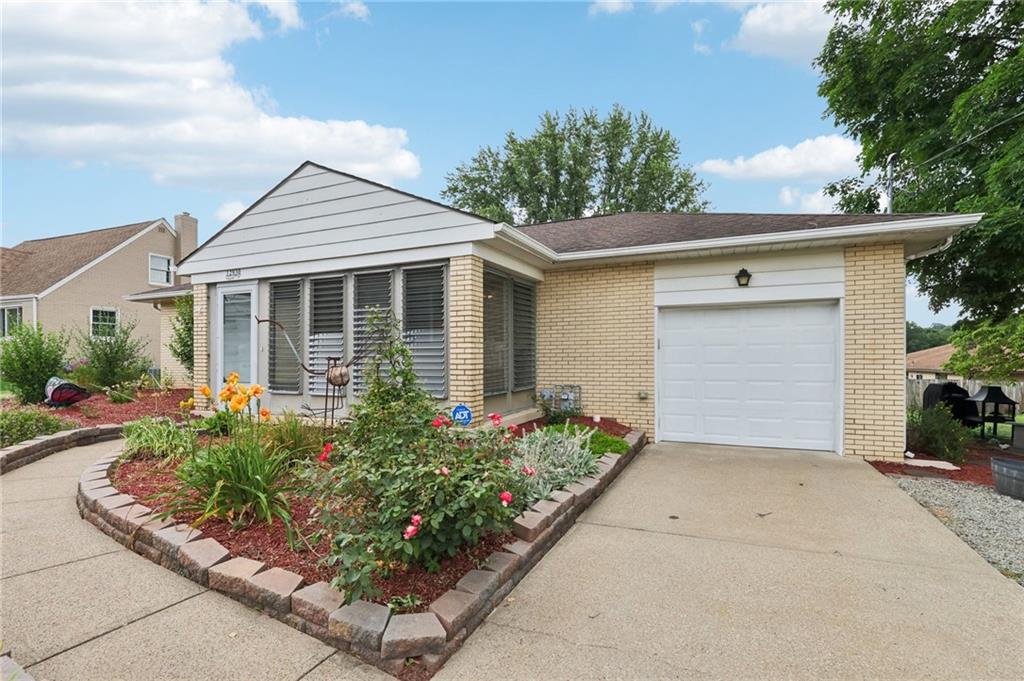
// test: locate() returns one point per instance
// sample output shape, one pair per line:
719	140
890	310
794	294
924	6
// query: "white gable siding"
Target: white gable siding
319	214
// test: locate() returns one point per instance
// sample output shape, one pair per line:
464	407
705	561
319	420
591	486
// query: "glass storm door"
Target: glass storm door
238	332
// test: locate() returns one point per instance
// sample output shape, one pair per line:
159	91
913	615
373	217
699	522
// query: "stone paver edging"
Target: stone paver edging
367	630
25	452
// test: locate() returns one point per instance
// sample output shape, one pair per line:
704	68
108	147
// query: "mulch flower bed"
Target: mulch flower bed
609	426
143	478
99	409
977	468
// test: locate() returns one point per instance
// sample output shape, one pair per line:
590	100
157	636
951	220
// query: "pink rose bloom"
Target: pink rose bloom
507	461
495	419
437	422
529	470
443	470
416	520
512	427
410	532
506	498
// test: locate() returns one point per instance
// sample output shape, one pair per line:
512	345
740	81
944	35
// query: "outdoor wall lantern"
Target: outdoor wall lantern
743	277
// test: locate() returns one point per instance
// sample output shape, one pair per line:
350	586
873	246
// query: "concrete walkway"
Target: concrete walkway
74	604
719	562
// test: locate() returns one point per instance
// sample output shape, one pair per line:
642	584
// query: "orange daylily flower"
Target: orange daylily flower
265	414
255	390
205	391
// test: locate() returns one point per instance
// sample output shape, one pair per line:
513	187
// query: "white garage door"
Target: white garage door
762	376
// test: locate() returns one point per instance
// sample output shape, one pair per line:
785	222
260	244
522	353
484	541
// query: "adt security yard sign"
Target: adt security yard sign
462	415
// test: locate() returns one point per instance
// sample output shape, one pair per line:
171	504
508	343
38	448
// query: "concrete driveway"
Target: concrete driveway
724	562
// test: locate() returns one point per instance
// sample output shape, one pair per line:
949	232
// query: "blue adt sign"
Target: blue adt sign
462	415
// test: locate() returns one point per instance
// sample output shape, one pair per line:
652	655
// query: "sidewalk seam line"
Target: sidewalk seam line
311	669
48	567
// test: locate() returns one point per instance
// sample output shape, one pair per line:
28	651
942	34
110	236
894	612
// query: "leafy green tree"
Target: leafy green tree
29	357
939	84
575	165
116	357
990	350
180	344
924	337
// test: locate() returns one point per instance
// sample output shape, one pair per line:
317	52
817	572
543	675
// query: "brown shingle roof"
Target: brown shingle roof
34	266
645	229
929	359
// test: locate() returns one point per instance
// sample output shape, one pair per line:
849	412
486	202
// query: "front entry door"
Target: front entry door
237	332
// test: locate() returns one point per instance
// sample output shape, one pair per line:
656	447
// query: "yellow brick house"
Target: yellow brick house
769	330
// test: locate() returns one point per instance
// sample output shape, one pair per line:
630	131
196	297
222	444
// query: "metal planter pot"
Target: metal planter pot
1008	475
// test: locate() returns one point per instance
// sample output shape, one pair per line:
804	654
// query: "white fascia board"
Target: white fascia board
355	262
21	298
527	243
156	295
849	231
86	267
508	262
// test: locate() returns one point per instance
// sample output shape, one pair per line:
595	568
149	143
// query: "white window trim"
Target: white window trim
4	331
98	308
149	269
253	290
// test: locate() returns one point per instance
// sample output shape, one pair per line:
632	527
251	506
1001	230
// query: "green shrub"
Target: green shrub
556	416
601	443
20	424
220	423
158	437
293	434
553	459
180	344
117	358
934	431
29	357
238	481
404	486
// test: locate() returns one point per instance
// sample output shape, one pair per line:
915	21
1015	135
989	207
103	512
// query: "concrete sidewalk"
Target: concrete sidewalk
719	562
76	605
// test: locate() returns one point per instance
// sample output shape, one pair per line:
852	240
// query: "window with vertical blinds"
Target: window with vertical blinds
326	328
423	323
286	310
524	326
496	332
372	293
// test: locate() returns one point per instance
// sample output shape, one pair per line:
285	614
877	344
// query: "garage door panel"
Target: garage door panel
762	375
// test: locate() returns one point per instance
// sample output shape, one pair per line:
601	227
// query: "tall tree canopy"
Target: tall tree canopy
575	165
940	84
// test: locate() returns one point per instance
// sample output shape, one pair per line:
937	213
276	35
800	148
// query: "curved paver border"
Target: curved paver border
367	630
17	455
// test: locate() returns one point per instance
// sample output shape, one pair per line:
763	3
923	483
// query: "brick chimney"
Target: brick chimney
187	228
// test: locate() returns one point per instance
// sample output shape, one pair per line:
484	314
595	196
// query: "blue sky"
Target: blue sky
117	113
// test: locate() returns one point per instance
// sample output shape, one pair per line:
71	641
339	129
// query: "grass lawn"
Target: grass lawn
1003	430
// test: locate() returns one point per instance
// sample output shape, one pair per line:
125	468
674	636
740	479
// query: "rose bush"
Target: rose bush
402	485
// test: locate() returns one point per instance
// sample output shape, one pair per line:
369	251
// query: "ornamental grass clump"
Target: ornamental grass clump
402	485
160	438
552	459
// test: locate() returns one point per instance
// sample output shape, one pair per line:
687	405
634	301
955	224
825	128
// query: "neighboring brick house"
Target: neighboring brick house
774	330
79	282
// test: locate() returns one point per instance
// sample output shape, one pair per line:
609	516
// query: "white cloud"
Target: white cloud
824	157
794	31
229	211
701	48
147	86
662	5
285	11
355	9
814	202
699	26
610	7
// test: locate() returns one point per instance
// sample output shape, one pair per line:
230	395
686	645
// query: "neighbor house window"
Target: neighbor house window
103	322
510	357
10	317
372	297
326	328
286	310
159	270
423	323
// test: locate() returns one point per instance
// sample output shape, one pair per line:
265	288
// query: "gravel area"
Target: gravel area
991	523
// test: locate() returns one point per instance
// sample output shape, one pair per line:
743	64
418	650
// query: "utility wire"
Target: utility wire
966	141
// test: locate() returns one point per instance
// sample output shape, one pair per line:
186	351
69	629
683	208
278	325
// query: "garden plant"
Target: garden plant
29	357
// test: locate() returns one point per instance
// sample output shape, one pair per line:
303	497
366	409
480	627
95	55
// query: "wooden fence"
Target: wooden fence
916	386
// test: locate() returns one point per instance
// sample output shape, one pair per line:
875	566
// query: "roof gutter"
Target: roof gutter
527	243
848	231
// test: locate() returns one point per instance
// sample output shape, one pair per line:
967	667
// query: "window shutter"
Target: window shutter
285	309
496	347
326	328
524	345
373	293
423	322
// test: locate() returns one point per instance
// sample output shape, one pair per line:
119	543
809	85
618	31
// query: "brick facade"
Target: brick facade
874	345
466	331
200	341
595	327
